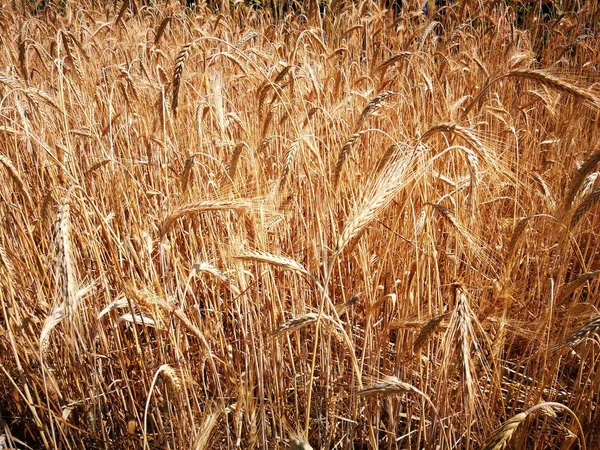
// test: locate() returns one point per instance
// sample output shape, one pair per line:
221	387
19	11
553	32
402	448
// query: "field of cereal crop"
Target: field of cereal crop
336	225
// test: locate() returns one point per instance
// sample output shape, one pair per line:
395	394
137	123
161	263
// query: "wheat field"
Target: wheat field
348	225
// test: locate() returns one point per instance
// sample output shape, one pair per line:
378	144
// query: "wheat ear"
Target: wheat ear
386	186
178	73
579	334
275	260
502	436
16	176
372	107
427	330
586	204
568	289
544	78
173	379
200	207
586	168
392	386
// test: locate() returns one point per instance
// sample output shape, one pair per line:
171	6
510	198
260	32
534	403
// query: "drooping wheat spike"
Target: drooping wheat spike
587	185
202	440
546	192
66	40
372	107
5	264
63	255
289	159
10	130
544	78
557	83
388	183
23	60
187	176
178	73
471	241
170	375
389	386
162	28
470	137
264	90
392	152
339	165
138	319
121	302
189	209
516	236
428	329
275	260
206	267
586	168
11	82
16	176
473	161
246	37
502	436
579	334
53	319
299	443
233	162
341	309
567	290
34	93
129	80
461	329
586	204
394	59
295	323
